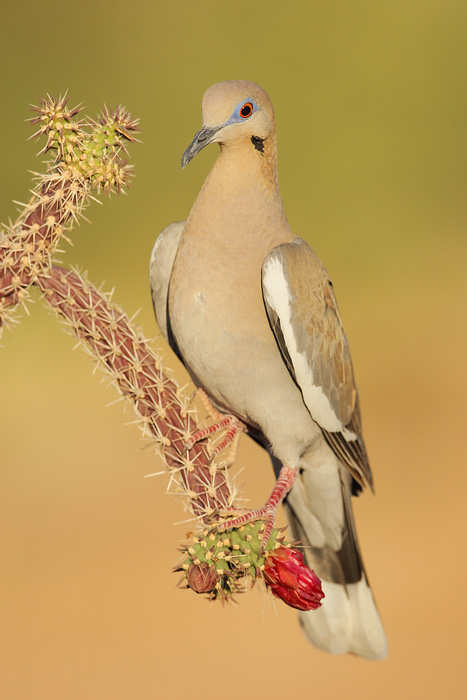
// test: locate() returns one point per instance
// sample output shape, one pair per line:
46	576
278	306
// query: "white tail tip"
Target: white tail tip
347	623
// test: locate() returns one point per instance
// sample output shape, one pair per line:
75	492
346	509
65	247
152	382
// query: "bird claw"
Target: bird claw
233	425
267	513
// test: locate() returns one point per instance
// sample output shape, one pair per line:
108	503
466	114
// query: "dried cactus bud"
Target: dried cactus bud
202	577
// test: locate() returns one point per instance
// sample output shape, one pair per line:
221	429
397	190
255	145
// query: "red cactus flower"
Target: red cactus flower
291	580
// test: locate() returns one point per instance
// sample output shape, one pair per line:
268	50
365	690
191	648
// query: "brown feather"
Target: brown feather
320	337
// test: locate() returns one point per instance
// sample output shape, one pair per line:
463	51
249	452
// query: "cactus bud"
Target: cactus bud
202	577
291	580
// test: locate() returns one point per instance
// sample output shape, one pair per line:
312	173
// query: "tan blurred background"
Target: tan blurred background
371	107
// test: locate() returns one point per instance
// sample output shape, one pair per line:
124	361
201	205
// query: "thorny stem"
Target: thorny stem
137	372
87	159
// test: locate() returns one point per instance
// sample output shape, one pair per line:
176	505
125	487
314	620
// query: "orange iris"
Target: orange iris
246	110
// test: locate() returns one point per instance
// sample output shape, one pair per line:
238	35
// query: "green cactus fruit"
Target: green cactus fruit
221	564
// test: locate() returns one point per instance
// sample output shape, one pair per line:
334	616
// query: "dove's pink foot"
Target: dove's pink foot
283	485
221	421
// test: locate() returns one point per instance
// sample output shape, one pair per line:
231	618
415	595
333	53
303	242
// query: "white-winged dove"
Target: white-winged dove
250	310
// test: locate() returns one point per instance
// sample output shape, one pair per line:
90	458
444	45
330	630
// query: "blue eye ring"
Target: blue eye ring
243	111
246	110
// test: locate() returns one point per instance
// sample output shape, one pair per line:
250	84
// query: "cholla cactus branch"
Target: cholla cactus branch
137	372
87	159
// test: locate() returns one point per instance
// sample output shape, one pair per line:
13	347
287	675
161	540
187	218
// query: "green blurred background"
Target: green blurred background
371	107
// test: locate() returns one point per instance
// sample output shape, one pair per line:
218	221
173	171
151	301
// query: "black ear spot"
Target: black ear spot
258	143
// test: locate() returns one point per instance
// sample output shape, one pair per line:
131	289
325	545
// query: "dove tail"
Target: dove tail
319	510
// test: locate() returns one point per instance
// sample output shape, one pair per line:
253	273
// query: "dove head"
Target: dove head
235	111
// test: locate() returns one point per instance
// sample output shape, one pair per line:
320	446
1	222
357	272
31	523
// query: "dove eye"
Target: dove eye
246	110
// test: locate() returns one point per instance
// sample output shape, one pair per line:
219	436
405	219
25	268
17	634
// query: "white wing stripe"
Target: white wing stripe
277	294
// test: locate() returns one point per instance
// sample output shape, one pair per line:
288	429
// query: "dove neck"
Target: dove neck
240	195
247	164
